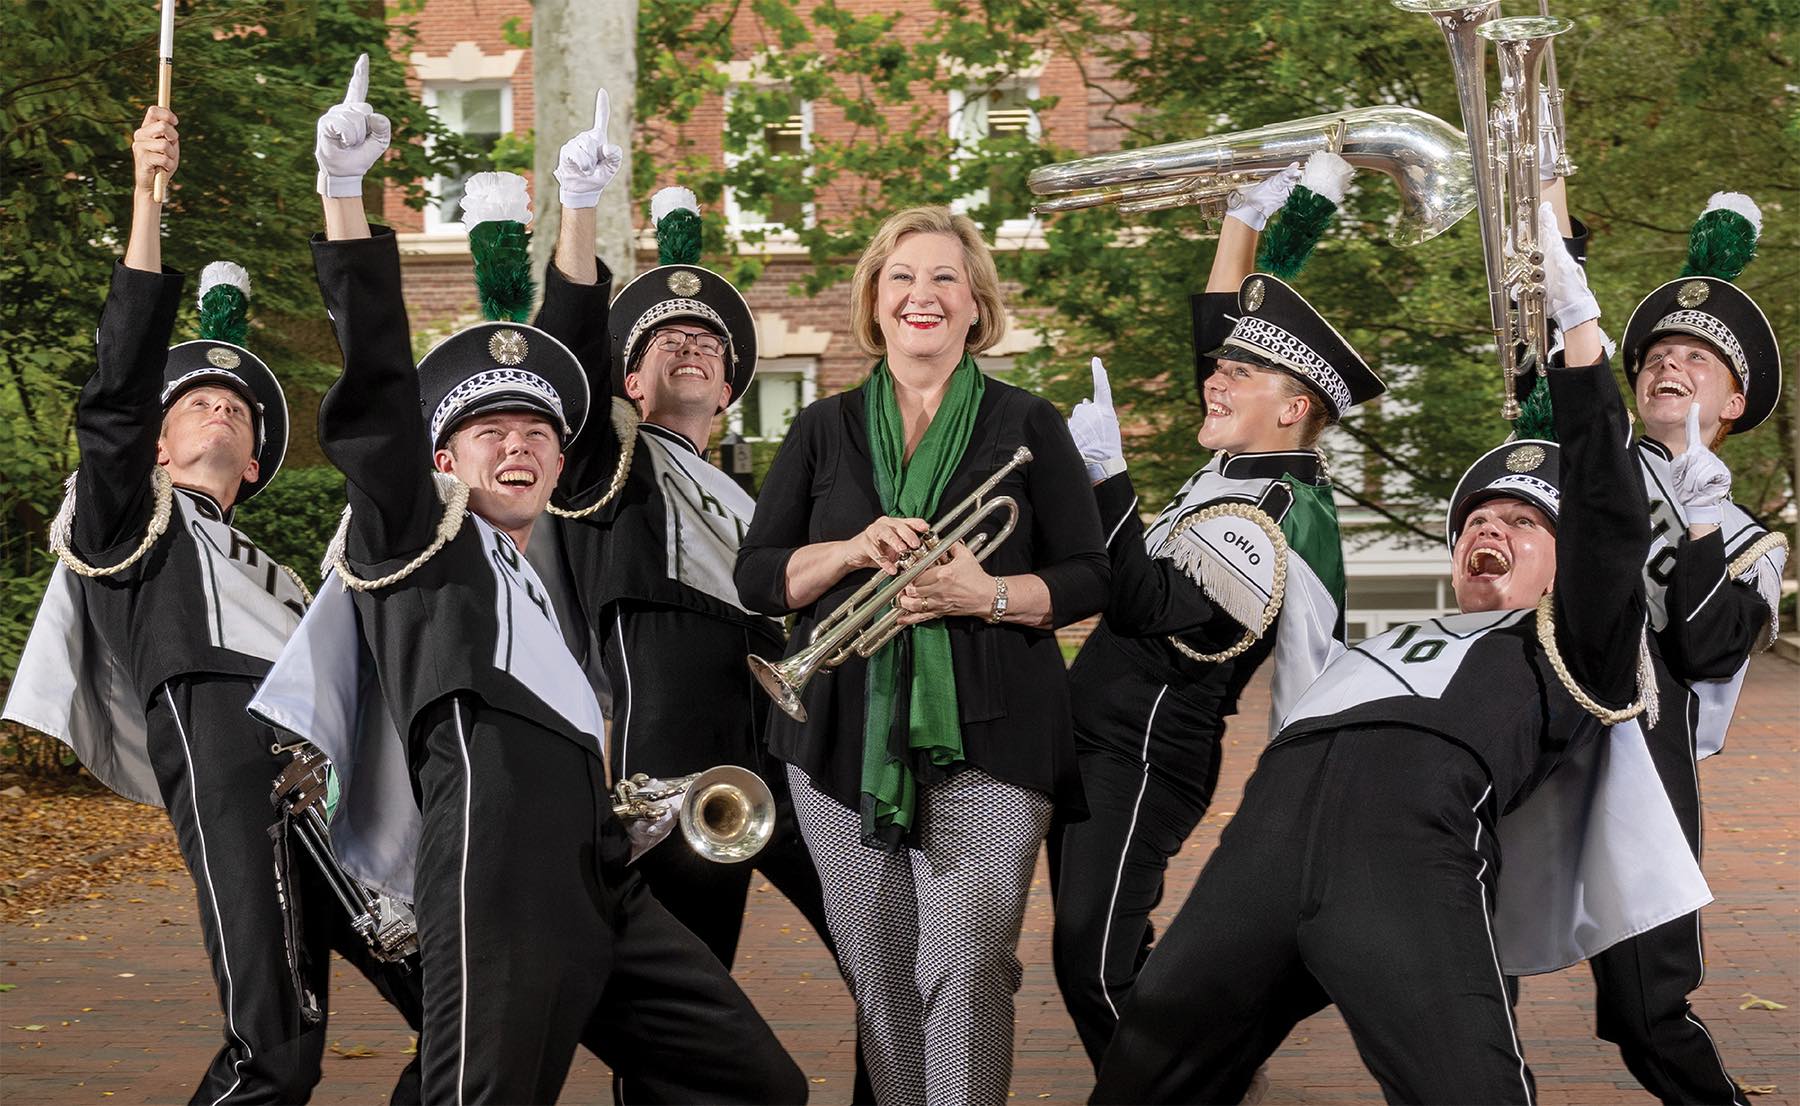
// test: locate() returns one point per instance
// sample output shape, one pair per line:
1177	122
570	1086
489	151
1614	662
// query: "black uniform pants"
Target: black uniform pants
1143	804
1642	983
536	938
215	771
1358	870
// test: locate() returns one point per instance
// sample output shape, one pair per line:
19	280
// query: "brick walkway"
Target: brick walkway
113	1001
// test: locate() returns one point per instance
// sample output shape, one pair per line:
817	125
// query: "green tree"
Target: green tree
250	80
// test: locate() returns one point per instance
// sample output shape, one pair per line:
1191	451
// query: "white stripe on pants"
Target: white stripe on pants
929	937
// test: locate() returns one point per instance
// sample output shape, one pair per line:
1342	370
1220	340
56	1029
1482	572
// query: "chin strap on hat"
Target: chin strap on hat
455	496
162	498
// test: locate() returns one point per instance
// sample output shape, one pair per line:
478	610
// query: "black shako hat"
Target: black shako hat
1722	314
501	366
683	294
1277	329
1527	469
211	361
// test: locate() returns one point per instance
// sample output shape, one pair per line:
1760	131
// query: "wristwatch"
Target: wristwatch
999	599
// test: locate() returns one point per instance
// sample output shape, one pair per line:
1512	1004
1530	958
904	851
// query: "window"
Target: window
789	137
1003	111
480	113
782	386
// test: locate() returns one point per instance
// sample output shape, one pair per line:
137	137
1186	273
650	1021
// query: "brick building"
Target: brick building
480	84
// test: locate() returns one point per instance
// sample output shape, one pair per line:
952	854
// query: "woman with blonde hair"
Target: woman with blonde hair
925	778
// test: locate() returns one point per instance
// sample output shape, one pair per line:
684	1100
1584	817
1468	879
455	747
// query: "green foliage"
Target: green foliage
225	314
250	81
502	252
1720	245
678	238
294	518
1290	237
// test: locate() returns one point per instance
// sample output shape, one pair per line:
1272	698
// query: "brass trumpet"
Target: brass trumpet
1427	157
869	619
727	813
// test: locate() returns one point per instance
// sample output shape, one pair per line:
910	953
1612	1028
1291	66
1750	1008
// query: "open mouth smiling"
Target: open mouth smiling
1487	563
519	478
924	320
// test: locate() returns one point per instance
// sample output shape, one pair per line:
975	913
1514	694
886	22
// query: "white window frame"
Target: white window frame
963	132
428	95
735	213
806	367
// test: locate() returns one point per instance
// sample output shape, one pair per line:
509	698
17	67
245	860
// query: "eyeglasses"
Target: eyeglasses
672	341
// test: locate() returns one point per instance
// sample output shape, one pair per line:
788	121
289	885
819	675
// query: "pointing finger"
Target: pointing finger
602	111
1102	386
1693	426
358	91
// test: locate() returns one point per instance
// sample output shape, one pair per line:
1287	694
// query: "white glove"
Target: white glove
1254	203
646	834
587	163
352	137
1095	427
1702	482
1566	294
1327	175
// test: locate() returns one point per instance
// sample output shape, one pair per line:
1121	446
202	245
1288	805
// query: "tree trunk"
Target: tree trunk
577	48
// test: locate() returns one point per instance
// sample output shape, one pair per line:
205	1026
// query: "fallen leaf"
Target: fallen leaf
353	1052
1751	1002
1751	1088
29	1028
412	1047
4	987
127	975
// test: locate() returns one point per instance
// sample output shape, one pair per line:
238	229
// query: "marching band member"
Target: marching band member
534	935
926	777
160	620
1360	866
1156	680
650	533
1703	362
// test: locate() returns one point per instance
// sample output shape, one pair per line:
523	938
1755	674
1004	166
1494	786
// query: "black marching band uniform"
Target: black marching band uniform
1713	604
158	625
1155	681
1360	867
535	936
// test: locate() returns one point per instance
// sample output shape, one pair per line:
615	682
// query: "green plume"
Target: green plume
678	238
224	302
502	251
1536	419
1720	244
1294	232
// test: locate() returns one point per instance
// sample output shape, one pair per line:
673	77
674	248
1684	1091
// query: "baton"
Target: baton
165	72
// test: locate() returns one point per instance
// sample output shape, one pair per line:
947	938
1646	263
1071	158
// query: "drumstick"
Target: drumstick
165	72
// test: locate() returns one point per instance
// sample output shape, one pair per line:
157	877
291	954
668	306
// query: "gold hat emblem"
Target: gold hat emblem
1693	293
508	347
1253	294
1525	458
683	283
221	358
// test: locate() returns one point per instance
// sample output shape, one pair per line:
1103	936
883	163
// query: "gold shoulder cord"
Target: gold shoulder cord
162	496
455	495
1546	632
625	428
1277	592
1768	543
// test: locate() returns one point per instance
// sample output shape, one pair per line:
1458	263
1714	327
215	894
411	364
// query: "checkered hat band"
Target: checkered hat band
1539	489
1710	327
494	382
174	388
1262	336
662	312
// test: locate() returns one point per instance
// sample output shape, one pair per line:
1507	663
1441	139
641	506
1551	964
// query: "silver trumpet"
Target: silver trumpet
1504	144
727	813
1427	158
869	619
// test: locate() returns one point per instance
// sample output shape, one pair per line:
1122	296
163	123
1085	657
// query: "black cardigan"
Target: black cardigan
1011	683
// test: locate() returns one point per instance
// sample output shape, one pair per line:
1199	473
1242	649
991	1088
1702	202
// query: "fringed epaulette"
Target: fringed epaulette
162	500
1224	585
453	493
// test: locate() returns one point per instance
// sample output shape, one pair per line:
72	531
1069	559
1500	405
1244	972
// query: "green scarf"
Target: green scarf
918	734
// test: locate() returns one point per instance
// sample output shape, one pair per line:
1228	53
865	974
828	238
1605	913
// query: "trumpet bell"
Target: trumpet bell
774	679
728	814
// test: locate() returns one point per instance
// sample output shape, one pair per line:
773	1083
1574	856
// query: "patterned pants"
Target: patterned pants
929	937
